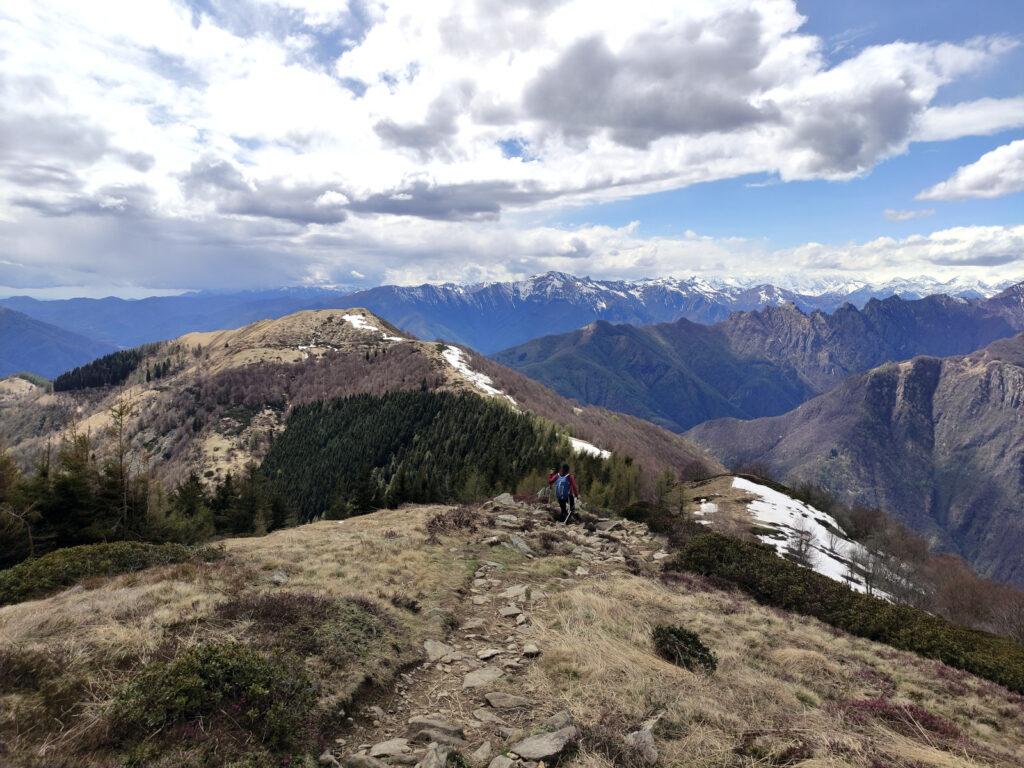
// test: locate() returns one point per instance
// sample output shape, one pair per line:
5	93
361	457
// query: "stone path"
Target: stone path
458	699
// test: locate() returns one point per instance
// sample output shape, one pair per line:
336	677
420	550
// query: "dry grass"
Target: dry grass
788	691
95	637
779	693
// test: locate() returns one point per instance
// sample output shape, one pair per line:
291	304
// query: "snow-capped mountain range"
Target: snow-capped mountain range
485	316
494	316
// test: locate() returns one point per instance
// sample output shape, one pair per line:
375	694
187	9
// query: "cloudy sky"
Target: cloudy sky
161	145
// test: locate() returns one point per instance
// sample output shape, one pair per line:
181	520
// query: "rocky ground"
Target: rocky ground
466	697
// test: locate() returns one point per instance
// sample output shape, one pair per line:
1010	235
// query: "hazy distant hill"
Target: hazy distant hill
27	344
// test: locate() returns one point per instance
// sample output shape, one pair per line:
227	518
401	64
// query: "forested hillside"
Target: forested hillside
360	453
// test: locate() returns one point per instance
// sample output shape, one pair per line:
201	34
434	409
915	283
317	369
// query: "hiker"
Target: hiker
566	490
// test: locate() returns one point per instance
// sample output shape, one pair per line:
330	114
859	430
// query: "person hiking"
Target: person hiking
566	490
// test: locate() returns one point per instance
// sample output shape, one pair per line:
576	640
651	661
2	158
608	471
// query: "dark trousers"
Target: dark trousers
569	503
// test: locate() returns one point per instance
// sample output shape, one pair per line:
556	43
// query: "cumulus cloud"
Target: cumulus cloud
305	138
994	174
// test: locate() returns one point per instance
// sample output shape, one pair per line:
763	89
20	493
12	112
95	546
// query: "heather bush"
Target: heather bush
65	567
683	648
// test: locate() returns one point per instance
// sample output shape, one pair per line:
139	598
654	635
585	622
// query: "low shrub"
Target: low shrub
683	648
63	568
906	718
266	697
339	631
770	579
452	520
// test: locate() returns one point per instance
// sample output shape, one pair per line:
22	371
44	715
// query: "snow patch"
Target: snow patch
582	446
785	515
458	360
361	323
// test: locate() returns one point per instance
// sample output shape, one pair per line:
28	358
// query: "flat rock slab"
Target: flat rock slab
488	653
509	611
502	762
364	761
546	746
436	650
436	723
390	748
501	700
480	678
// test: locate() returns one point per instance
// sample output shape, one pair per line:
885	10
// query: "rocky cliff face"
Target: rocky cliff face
938	442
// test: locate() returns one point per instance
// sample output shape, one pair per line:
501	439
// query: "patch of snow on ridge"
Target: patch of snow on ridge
582	446
458	360
360	323
776	510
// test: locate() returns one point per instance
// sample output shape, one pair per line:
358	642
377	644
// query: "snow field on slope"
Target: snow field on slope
458	360
777	511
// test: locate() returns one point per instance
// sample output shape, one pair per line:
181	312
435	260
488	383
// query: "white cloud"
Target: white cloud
893	214
970	118
994	174
275	141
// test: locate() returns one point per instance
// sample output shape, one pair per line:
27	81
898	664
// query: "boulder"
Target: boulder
531	650
501	761
481	755
515	592
558	721
546	746
480	678
504	500
436	757
502	700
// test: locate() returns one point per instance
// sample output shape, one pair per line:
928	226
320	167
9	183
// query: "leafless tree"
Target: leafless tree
802	541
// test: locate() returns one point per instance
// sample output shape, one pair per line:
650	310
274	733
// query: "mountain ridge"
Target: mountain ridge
752	364
935	441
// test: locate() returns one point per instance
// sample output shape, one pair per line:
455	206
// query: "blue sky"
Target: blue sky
208	144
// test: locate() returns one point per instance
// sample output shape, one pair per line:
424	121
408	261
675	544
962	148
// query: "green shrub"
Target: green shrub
64	567
267	697
770	579
683	648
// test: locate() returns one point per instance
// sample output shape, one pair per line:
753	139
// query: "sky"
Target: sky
167	145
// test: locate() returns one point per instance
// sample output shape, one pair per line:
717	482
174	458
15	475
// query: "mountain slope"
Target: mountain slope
674	374
27	344
752	364
937	442
211	402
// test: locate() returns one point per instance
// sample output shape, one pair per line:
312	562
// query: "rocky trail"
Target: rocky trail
468	698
